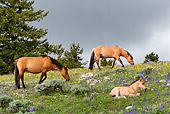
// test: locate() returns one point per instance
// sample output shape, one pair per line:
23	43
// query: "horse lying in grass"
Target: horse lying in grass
131	90
37	65
109	52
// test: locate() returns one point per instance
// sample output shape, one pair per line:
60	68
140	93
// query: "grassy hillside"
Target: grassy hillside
97	100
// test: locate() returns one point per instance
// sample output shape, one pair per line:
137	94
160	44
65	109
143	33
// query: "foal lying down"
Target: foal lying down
131	90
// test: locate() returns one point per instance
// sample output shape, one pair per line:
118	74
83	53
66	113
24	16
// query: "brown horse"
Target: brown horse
131	90
109	52
36	65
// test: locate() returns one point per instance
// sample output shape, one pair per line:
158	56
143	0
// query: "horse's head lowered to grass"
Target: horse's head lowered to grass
36	65
64	73
109	52
129	58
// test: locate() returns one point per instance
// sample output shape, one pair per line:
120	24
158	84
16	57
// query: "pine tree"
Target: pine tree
72	57
103	62
152	57
109	62
17	37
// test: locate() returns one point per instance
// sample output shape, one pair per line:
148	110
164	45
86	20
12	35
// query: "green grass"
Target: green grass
97	100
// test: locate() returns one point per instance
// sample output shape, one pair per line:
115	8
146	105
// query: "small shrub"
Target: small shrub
106	73
120	70
14	106
147	70
39	106
25	112
91	97
49	86
27	104
79	89
20	107
86	99
5	100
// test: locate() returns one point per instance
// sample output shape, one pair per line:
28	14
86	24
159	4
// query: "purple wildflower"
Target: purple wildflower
132	105
105	111
31	109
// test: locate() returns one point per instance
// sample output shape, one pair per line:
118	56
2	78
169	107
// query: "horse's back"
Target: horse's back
120	91
108	51
34	64
32	60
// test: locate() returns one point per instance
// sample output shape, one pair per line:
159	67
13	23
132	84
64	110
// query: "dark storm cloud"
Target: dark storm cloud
128	23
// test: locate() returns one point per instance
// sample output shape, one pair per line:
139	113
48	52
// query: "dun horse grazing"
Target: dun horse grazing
36	65
131	90
109	52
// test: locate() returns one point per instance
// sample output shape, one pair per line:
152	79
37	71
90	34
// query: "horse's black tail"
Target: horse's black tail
91	60
16	72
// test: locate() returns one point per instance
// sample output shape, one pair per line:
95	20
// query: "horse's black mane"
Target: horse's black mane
43	55
129	54
59	65
56	63
137	78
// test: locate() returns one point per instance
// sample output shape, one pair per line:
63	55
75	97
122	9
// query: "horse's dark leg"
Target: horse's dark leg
91	67
41	78
45	74
18	81
98	64
121	62
114	60
22	79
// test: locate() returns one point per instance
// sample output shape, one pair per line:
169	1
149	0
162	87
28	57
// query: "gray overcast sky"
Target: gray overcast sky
139	26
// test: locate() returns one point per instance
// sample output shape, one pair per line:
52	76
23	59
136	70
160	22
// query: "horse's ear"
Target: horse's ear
140	78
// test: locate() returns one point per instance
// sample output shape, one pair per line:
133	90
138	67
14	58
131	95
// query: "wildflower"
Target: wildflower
146	110
105	111
31	109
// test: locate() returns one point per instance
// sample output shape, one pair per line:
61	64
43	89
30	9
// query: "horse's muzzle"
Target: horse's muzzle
67	79
145	89
113	95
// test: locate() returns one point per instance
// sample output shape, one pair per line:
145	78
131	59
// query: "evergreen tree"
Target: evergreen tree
17	37
152	57
109	62
71	58
103	62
